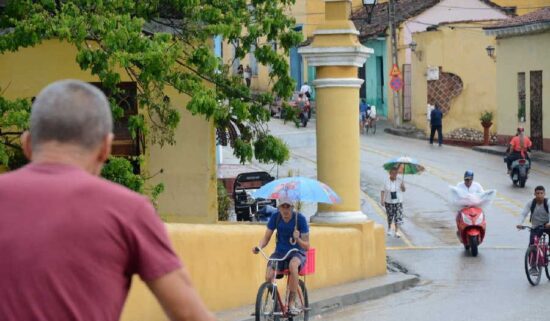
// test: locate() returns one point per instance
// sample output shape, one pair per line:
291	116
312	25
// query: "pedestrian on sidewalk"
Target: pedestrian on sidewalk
436	122
391	199
247	75
72	241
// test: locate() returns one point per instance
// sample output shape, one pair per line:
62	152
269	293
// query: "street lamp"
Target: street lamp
491	51
369	8
413	45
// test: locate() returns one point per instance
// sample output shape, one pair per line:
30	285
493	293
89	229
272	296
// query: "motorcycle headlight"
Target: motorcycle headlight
479	219
467	219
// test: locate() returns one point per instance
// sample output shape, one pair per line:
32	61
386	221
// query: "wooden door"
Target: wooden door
536	109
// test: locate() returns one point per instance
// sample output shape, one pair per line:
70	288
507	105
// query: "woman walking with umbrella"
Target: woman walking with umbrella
391	197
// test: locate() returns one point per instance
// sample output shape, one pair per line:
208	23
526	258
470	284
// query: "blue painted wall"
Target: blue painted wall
377	76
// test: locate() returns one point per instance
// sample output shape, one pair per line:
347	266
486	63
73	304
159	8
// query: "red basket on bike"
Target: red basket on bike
309	267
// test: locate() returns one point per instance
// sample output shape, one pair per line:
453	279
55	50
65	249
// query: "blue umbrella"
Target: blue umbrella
298	189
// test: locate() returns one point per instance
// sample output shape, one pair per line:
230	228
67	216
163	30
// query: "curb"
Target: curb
375	292
487	150
328	300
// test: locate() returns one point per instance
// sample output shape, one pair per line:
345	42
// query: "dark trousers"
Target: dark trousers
439	134
513	156
538	232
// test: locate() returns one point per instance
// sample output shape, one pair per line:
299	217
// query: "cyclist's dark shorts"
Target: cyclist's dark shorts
283	265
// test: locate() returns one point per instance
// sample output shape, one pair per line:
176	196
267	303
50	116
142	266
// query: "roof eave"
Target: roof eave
512	31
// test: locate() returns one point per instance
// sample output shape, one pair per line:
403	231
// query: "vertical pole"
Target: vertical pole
396	109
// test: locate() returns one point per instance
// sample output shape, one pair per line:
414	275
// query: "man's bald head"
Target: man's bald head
72	112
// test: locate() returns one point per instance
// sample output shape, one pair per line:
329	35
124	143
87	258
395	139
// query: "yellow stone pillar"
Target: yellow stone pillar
337	53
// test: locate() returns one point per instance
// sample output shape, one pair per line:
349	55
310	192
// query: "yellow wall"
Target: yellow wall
461	52
228	275
512	58
189	166
523	6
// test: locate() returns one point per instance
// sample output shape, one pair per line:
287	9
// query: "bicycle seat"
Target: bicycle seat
281	273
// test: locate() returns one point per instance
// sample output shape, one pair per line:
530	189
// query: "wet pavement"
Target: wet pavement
454	286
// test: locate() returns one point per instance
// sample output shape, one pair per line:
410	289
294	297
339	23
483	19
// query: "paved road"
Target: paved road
454	285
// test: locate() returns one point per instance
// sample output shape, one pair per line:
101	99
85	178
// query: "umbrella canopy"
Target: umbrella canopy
298	189
404	165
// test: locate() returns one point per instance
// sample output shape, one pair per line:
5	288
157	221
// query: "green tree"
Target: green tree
161	43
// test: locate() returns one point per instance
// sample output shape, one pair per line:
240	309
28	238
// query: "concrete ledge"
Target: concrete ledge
332	298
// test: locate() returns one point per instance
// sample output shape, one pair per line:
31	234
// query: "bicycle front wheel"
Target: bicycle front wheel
533	269
302	302
267	303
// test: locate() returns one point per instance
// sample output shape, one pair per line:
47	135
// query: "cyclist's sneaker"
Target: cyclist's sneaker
294	310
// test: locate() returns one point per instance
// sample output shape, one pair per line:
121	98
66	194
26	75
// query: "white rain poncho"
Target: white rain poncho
460	199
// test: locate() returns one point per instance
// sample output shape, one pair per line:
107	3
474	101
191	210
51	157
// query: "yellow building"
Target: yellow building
522	7
309	14
523	71
451	68
188	168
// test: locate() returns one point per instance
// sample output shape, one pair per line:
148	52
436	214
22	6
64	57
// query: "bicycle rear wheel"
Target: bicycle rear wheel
373	124
532	269
267	303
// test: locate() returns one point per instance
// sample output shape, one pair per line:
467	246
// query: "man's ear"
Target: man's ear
26	144
105	150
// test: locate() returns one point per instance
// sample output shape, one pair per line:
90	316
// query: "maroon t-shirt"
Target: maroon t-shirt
70	242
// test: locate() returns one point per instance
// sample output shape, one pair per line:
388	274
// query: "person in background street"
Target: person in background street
363	107
302	103
518	148
71	241
306	90
436	122
429	109
391	199
293	226
540	215
247	75
468	185
240	71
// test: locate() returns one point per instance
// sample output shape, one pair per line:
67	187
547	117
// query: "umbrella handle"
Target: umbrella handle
292	240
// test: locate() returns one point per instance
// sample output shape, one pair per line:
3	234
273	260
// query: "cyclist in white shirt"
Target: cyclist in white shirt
469	186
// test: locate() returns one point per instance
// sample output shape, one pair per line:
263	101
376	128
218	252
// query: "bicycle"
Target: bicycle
370	124
536	257
269	304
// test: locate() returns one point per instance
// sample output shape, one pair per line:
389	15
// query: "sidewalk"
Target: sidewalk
536	155
336	297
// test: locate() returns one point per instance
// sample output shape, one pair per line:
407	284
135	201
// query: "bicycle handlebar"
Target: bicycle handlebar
276	260
530	228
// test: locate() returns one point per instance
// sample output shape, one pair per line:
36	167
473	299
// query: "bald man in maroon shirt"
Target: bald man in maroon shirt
71	241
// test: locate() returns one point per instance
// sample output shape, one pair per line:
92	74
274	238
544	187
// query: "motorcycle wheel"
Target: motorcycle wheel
473	245
547	272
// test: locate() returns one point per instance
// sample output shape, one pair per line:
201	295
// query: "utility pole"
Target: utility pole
396	109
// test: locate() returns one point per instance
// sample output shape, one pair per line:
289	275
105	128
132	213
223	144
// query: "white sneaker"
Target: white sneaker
396	235
388	233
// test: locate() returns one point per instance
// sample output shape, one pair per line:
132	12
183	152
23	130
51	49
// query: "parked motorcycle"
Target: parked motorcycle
519	171
470	222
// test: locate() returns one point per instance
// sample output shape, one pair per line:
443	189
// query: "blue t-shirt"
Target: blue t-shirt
363	107
285	231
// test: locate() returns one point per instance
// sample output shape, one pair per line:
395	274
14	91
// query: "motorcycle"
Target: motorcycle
470	223
519	171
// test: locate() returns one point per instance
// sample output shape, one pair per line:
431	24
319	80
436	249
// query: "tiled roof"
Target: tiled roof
404	10
539	16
